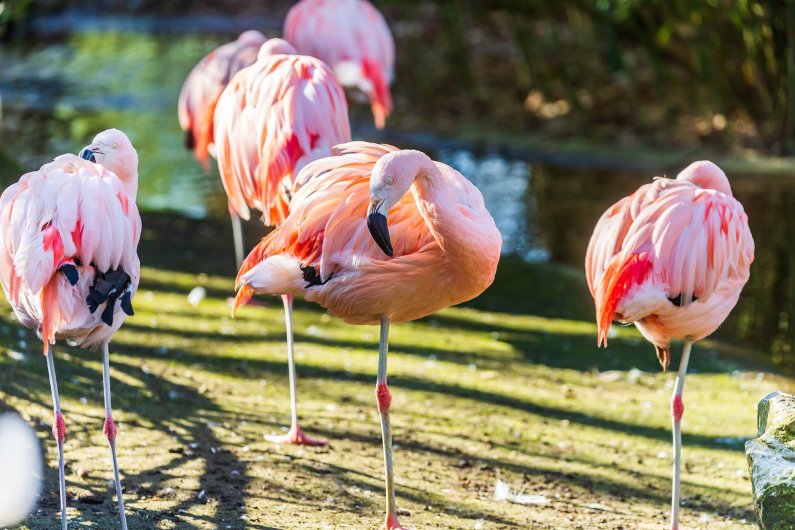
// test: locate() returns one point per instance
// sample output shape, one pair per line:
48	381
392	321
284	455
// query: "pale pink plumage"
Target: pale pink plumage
69	211
204	85
353	38
273	118
672	258
446	245
687	237
68	243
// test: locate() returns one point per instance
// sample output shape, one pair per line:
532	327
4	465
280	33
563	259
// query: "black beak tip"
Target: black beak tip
70	271
88	154
126	304
107	314
190	141
376	223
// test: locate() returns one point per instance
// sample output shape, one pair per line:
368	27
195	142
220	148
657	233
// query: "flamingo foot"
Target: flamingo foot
295	436
392	523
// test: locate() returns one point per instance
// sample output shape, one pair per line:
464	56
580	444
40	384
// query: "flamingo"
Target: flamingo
441	248
671	258
274	117
353	38
68	239
204	85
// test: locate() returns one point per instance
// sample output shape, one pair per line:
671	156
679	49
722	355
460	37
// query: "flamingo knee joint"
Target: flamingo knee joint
677	407
59	427
109	428
384	397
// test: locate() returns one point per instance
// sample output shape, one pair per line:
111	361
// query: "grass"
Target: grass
510	387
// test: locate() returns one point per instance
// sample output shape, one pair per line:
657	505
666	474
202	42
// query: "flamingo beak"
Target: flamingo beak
376	223
87	153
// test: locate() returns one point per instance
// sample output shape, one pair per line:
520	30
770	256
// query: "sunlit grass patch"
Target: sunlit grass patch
479	395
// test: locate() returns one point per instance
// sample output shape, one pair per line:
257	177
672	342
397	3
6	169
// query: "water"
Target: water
126	73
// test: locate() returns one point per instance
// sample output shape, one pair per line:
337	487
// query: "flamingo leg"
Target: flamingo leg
384	399
110	432
294	436
677	410
58	429
237	235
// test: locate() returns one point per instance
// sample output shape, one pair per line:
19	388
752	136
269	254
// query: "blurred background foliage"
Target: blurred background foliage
718	74
713	72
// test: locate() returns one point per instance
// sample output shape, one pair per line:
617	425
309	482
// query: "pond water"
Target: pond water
126	73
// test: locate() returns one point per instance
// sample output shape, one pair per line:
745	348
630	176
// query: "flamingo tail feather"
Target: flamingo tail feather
618	279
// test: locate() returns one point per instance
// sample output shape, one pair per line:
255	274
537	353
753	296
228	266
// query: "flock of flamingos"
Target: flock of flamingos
373	233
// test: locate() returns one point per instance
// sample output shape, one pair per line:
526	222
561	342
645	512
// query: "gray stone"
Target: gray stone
771	460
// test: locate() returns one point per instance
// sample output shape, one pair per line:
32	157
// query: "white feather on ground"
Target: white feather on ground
502	492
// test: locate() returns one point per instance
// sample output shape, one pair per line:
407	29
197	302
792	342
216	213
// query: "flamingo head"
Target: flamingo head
392	176
113	150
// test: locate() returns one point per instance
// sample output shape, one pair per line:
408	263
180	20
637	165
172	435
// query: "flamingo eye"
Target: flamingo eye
115	146
389	180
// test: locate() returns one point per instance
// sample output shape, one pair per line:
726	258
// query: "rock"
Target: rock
771	462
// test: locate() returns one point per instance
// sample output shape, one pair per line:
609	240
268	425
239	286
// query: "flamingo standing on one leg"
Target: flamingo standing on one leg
275	116
68	239
353	38
672	258
204	85
441	249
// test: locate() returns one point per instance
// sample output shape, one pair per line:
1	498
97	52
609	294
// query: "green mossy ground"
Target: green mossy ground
511	387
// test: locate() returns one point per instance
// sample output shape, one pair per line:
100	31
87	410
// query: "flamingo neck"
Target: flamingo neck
126	172
459	230
130	182
706	175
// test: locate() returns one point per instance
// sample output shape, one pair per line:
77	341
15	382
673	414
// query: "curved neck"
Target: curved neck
131	185
459	235
129	180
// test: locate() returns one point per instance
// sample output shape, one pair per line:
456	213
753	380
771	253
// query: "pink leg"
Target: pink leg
109	428
384	399
677	411
58	430
294	436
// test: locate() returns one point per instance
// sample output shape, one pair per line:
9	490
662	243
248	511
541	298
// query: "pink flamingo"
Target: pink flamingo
441	249
353	38
68	239
671	258
204	85
275	116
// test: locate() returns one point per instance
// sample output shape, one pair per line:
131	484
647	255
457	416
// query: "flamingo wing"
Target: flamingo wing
70	212
682	240
204	85
274	116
